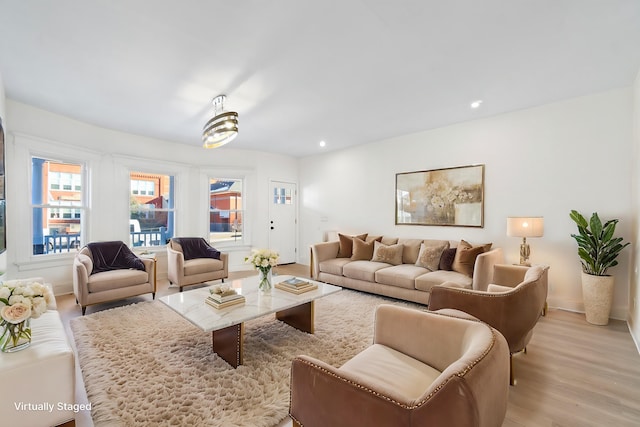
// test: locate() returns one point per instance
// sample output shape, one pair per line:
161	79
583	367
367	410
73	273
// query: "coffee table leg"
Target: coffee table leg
228	344
300	317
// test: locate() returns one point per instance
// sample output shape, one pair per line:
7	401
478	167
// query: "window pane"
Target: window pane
152	215
56	229
226	210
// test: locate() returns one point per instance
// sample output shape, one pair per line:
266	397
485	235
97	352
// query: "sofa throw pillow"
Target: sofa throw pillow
465	258
346	244
446	260
430	254
362	251
390	254
411	250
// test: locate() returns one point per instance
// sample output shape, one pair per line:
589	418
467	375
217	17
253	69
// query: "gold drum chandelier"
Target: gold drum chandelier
222	127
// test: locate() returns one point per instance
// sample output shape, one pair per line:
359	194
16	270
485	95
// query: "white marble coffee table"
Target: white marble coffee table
227	324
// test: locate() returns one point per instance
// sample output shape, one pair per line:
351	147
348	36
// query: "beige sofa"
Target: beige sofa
403	268
43	372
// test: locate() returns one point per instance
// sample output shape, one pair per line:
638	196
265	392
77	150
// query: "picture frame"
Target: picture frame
442	197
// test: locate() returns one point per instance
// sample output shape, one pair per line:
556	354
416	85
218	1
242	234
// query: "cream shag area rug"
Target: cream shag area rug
143	364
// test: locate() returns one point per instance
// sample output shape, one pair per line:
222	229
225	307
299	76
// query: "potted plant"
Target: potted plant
598	250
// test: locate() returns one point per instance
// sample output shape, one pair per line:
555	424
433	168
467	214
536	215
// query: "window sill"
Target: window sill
36	262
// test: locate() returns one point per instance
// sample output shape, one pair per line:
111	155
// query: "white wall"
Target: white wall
634	291
3	256
110	155
2	98
543	161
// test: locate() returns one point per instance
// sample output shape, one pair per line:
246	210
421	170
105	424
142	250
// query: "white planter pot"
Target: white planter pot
597	292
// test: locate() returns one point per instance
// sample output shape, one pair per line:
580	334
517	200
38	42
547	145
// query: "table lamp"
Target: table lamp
520	226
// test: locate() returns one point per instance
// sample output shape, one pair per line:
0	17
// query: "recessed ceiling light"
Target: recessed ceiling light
476	104
323	144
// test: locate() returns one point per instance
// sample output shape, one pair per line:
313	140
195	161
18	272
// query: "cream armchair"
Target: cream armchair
183	271
512	304
98	279
422	369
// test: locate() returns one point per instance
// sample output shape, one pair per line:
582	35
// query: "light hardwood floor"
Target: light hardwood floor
573	374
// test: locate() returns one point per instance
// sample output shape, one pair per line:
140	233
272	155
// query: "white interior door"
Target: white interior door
283	220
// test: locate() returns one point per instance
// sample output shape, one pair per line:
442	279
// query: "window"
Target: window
151	215
225	210
66	181
282	196
143	187
58	205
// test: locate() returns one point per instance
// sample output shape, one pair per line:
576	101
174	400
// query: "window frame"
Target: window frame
83	208
168	172
225	176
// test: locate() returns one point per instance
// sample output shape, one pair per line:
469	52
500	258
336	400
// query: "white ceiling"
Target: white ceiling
300	71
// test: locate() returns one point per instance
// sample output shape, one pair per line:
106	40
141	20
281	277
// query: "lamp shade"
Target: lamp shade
521	226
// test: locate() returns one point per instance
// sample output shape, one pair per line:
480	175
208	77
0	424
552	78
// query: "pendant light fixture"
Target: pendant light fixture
222	127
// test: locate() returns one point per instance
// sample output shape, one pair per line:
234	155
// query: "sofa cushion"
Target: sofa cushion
346	244
389	240
402	276
465	259
363	270
333	266
202	265
446	260
115	279
379	364
411	250
430	254
496	289
391	254
363	251
435	278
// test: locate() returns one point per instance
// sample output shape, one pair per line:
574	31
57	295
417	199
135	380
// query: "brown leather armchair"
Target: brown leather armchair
184	271
422	369
512	305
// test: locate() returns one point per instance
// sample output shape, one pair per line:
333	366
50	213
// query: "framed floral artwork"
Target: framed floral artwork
450	196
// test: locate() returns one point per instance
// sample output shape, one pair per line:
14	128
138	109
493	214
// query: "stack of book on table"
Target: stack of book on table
296	286
221	298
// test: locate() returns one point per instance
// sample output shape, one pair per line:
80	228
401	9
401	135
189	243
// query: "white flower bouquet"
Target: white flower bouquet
19	302
263	260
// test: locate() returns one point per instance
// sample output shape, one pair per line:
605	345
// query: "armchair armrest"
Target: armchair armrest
224	257
486	306
80	281
175	265
148	267
322	252
345	400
